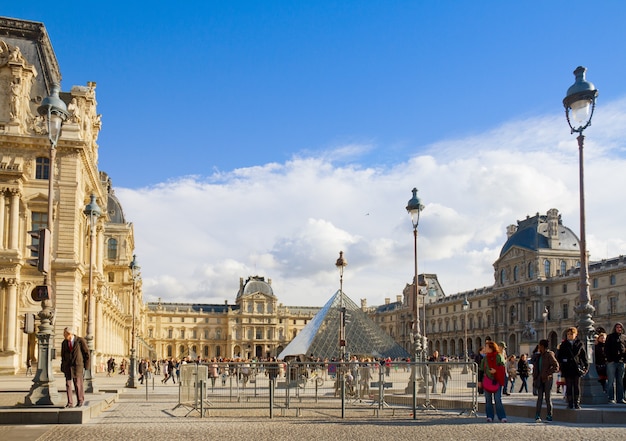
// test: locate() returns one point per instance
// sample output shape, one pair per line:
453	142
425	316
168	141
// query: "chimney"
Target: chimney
387	300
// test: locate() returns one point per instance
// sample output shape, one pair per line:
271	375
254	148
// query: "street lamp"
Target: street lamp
545	322
134	272
579	104
93	212
44	390
414	207
341	263
465	306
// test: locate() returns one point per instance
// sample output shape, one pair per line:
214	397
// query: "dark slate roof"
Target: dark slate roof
532	234
32	39
195	307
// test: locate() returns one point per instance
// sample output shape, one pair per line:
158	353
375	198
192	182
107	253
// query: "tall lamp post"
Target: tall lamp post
465	306
44	390
545	315
132	377
414	207
93	212
579	104
341	263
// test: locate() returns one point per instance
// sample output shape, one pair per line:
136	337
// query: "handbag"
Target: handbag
491	385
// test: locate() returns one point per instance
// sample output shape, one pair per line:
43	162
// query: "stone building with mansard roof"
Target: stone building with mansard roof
28	69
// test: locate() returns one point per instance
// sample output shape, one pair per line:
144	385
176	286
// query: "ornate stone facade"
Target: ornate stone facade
28	68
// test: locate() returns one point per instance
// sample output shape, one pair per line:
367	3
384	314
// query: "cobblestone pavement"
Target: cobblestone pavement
134	418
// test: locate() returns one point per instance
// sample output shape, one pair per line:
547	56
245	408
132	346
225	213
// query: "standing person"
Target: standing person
502	346
29	367
572	360
493	368
478	358
615	351
74	361
600	359
511	370
523	370
533	362
543	373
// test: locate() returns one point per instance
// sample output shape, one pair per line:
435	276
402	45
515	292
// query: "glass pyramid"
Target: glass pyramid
320	337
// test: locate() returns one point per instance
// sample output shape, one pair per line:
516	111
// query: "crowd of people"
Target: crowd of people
564	368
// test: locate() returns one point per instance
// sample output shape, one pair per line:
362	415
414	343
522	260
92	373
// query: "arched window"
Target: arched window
515	273
169	350
546	268
563	267
112	249
502	276
531	272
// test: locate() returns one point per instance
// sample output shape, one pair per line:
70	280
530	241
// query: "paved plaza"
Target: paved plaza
132	417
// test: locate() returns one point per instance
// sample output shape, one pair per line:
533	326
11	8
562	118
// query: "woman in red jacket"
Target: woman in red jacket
493	367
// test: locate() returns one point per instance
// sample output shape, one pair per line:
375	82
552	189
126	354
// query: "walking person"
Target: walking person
523	370
29	367
615	351
543	376
572	360
493	368
74	361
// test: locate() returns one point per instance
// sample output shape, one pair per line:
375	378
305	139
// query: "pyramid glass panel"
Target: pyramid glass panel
320	337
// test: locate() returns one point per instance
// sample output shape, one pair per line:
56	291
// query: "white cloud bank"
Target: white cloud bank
196	236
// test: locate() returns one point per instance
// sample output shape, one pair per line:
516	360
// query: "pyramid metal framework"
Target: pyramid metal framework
320	337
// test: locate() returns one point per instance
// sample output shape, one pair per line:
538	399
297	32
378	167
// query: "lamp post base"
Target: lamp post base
44	390
132	377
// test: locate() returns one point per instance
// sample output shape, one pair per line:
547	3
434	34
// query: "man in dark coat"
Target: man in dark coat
74	361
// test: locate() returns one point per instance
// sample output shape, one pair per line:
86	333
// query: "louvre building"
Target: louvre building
534	293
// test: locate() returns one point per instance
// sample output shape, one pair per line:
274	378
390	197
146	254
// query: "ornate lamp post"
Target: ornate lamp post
341	263
44	390
465	306
414	207
93	212
579	104
132	374
545	315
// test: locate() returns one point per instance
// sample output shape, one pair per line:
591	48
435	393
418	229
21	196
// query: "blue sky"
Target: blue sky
279	133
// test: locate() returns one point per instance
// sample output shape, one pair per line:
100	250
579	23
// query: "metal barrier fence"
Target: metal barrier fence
348	387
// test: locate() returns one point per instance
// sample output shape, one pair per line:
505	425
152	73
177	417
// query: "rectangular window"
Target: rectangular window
613	279
594	282
564	288
596	305
42	168
182	333
612	305
170	333
565	310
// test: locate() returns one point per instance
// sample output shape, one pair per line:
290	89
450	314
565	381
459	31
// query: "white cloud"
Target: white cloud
196	236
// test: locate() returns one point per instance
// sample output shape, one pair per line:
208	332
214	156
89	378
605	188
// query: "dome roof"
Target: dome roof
114	208
253	285
534	233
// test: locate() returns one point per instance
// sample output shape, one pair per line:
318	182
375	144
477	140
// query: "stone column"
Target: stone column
1	219
14	219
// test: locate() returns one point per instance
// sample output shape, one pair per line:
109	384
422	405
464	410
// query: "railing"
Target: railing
345	387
